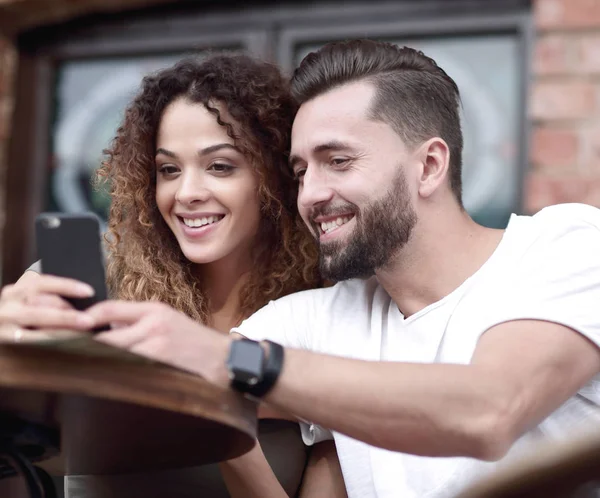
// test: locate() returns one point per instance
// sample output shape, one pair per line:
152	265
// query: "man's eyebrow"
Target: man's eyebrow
165	152
201	152
333	145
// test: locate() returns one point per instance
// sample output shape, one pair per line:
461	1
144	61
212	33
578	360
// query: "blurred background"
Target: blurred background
528	71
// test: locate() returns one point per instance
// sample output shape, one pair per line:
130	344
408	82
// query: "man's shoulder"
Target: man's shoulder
561	223
340	293
563	239
564	217
314	319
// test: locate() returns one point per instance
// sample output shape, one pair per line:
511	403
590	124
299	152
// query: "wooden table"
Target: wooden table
555	470
82	407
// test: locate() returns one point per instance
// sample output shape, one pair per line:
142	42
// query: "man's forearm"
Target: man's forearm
520	372
440	410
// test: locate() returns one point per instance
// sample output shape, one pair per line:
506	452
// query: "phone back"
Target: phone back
69	245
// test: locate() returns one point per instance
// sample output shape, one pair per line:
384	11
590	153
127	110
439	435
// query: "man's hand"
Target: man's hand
157	331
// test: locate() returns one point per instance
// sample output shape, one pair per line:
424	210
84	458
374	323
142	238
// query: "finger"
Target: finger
14	333
46	284
118	325
125	338
11	332
11	291
49	301
51	284
48	318
127	312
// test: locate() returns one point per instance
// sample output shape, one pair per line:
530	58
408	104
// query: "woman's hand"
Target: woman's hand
35	302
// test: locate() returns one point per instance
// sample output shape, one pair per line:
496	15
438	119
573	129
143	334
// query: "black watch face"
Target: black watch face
246	361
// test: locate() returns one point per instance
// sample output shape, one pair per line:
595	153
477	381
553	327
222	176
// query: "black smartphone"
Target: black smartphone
70	245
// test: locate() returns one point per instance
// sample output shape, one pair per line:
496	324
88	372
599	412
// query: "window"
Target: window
485	56
75	79
90	98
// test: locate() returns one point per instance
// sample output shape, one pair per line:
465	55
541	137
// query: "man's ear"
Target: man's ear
434	156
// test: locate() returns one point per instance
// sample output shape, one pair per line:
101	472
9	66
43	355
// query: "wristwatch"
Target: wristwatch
252	370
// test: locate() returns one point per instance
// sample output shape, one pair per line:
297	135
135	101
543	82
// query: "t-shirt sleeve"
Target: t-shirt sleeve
289	321
558	278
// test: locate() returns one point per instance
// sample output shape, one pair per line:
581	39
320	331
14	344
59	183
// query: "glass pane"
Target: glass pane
91	96
487	73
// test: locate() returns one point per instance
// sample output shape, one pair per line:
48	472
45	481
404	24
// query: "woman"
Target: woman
203	218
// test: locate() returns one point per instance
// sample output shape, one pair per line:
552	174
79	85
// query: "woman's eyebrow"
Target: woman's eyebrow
202	152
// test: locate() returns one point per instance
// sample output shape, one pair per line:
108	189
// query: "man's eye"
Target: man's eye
339	161
299	174
168	169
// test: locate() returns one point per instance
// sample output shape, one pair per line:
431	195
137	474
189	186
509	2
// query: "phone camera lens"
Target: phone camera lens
51	222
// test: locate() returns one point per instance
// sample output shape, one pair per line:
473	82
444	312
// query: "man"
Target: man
443	338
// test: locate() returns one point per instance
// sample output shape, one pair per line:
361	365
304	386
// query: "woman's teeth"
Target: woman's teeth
200	222
332	225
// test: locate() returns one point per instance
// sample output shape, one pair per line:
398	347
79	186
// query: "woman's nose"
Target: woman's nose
192	189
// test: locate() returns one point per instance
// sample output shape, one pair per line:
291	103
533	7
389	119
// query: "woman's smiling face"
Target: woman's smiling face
206	189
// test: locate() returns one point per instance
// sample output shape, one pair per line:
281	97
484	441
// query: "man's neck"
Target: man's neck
446	248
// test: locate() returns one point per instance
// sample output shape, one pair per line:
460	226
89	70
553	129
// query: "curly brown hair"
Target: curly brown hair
145	261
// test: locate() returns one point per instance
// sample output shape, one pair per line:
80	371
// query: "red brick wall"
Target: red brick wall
564	104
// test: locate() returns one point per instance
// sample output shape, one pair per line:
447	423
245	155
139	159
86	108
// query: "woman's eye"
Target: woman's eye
221	168
168	169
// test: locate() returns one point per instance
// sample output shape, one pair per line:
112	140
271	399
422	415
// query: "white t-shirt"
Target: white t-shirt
546	267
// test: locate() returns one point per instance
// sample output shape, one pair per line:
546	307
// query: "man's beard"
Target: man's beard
381	230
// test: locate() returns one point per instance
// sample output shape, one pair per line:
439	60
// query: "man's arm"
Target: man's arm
521	371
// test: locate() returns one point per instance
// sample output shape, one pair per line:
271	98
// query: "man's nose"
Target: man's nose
192	188
314	189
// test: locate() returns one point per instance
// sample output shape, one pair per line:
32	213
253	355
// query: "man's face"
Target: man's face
354	194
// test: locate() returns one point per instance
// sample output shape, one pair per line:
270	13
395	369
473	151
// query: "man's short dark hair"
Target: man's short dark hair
413	94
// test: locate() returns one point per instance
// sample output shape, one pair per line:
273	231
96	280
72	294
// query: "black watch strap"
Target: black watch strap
273	366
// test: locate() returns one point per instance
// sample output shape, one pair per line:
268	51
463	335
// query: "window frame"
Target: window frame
267	31
516	23
30	144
